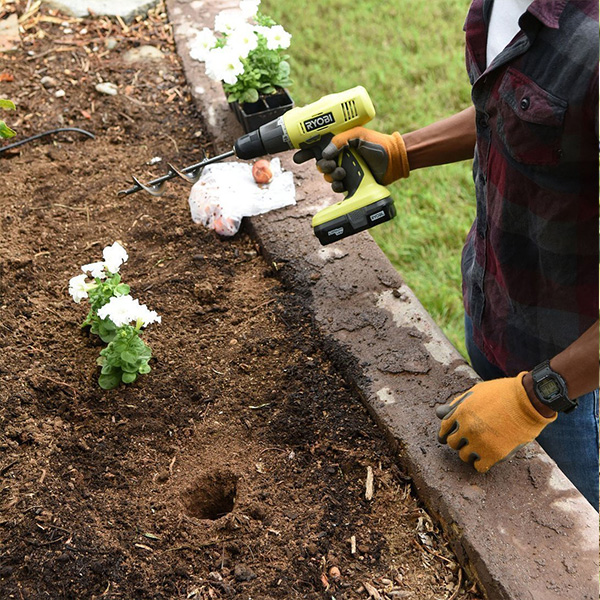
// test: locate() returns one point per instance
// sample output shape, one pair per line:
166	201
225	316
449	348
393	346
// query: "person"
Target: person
530	260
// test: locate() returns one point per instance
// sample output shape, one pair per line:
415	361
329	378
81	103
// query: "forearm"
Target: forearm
578	364
445	141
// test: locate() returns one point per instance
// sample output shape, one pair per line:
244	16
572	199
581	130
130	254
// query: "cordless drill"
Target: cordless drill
366	203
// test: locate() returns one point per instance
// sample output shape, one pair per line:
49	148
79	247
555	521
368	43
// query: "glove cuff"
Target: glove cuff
399	167
529	411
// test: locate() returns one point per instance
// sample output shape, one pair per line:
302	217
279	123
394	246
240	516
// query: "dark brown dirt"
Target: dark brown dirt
237	467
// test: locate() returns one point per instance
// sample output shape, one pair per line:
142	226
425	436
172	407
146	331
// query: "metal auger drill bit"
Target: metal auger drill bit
191	174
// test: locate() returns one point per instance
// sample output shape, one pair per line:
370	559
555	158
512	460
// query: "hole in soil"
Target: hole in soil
212	496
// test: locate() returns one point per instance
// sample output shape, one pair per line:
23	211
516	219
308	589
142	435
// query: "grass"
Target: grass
410	58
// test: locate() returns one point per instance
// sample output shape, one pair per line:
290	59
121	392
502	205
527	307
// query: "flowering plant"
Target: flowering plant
244	52
112	312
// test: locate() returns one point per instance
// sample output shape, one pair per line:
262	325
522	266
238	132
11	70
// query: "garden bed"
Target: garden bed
238	466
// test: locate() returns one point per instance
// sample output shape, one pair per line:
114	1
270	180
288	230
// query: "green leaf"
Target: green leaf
251	95
122	289
109	382
128	377
6	131
128	357
143	369
284	69
7	104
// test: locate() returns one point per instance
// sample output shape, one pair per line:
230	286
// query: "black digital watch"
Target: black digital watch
551	389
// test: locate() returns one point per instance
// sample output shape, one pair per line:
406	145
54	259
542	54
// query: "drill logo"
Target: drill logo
319	122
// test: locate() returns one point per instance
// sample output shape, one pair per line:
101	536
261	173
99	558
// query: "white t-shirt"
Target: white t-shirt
504	25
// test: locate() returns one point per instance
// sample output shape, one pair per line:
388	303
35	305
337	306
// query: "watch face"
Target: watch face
548	387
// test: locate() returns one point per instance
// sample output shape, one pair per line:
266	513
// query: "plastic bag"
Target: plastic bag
227	192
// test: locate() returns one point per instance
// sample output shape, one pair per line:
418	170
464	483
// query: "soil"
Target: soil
237	468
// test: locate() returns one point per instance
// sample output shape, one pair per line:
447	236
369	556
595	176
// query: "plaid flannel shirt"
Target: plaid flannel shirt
530	262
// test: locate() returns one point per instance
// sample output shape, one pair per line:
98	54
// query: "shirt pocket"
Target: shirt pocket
530	120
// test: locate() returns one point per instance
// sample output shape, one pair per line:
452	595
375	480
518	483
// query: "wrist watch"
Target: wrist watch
551	389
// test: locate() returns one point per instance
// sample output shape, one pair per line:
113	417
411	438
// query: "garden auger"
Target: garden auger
366	203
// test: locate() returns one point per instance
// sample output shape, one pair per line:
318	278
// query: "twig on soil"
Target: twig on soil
457	590
62	383
369	484
136	101
263	305
269	449
8	467
424	548
174	143
353	544
122	24
373	593
171	465
76	208
50	51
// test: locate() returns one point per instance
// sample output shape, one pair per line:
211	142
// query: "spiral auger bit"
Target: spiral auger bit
189	174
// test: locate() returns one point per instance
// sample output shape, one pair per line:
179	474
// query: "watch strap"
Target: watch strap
562	403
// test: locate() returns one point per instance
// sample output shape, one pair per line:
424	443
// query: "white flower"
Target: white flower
249	8
95	269
145	316
114	257
242	40
228	20
277	37
120	310
78	288
223	65
202	43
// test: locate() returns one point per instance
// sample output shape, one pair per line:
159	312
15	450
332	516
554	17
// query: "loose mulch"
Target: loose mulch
237	468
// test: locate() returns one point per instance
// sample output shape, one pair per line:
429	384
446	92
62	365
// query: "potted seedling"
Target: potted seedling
246	52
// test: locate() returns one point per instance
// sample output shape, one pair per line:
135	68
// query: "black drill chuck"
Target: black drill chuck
270	138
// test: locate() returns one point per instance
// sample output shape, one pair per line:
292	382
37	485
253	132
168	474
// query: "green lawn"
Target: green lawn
409	55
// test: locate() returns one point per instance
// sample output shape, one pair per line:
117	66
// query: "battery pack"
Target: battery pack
358	220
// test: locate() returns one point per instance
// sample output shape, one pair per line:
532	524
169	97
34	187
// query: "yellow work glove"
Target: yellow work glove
384	154
490	422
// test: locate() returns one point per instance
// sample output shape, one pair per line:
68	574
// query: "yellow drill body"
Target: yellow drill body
366	203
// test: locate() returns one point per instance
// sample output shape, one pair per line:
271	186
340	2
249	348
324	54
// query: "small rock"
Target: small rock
110	43
142	53
162	477
48	82
215	576
59	93
10	37
243	573
205	292
110	89
334	573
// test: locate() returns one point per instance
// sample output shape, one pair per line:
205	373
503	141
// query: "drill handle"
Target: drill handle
357	171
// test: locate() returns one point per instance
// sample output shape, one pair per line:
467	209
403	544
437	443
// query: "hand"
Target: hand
490	422
384	154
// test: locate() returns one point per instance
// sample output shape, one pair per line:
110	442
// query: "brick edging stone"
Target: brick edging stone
522	530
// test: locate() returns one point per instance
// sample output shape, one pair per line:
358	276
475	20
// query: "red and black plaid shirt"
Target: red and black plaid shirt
530	262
